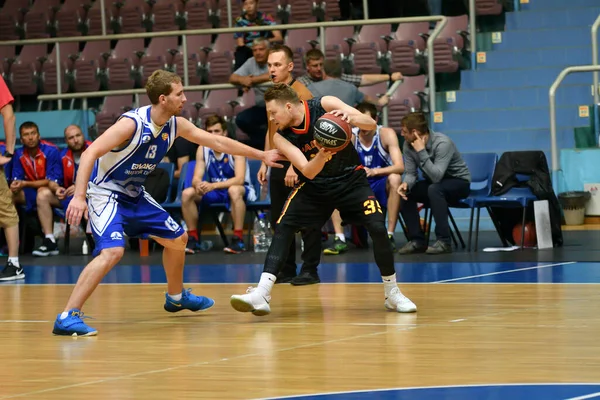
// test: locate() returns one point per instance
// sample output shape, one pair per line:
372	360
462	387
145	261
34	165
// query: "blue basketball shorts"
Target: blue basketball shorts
114	215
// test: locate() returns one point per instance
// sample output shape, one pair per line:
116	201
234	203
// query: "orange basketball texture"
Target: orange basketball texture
332	132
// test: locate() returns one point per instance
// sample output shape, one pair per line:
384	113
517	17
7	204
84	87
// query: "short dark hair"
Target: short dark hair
313	54
333	68
365	106
282	47
28	125
214	120
417	121
283	93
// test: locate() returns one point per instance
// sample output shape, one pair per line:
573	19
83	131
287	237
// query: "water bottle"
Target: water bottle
84	248
206	245
262	234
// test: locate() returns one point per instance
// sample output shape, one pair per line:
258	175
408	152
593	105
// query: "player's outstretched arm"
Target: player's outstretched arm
347	113
118	134
309	169
225	145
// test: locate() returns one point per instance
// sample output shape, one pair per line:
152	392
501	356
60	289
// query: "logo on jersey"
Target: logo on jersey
165	136
116	236
146	138
141	169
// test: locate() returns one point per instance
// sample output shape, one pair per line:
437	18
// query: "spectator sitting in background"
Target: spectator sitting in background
59	194
447	180
333	85
380	154
180	153
218	178
36	165
253	120
252	17
314	60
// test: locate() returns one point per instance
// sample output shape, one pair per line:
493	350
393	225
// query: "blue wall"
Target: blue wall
53	123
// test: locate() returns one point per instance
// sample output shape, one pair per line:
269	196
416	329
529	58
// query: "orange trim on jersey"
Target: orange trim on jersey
304	129
288	201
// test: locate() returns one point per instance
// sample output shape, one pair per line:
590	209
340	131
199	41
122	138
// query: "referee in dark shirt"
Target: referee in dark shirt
446	181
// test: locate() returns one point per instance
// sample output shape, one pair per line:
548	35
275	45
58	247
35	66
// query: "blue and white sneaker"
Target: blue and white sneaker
188	301
73	325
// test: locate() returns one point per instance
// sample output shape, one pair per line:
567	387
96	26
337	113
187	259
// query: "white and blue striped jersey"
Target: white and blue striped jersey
125	170
374	156
219	169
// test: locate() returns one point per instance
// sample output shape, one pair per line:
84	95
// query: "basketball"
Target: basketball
332	132
530	235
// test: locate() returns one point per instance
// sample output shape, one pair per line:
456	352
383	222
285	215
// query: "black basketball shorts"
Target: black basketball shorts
310	205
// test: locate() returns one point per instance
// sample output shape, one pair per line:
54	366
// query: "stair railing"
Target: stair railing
552	95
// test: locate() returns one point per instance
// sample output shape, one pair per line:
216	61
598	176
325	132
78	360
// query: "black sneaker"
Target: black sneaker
48	248
11	273
236	246
285	277
306	278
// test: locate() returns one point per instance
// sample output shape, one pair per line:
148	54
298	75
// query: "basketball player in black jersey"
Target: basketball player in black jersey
328	181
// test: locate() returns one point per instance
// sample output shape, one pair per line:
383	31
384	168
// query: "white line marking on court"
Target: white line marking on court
458	320
505	272
587	396
300	396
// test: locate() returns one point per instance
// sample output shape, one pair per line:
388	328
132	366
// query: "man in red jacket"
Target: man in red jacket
59	194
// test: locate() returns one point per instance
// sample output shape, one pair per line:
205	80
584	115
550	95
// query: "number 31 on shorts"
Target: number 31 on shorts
372	206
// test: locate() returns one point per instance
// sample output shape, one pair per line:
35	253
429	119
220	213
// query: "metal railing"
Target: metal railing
595	89
473	33
552	95
321	25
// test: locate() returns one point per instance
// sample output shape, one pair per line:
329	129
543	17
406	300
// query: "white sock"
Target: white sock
389	282
390	234
175	297
341	236
64	315
51	237
265	285
14	261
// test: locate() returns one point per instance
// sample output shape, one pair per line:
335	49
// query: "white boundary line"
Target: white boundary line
587	396
440	387
505	272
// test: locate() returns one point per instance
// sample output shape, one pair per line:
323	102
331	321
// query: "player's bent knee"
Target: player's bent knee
187	194
177	244
394	181
112	255
43	195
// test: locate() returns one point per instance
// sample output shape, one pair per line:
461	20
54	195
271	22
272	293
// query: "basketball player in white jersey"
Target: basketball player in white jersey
381	156
111	173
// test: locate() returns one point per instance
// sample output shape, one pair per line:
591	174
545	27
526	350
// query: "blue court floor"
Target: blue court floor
442	272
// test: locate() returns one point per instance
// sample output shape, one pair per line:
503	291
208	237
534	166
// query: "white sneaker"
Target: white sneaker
399	302
251	302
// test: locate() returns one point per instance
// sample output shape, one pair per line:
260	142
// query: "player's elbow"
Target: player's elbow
309	173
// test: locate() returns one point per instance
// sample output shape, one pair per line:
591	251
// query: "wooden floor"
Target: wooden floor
322	338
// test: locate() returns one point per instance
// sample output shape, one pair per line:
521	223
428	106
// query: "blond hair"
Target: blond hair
159	84
282	93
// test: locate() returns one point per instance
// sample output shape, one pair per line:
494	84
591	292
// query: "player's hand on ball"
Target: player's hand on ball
77	208
270	156
341	114
323	152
